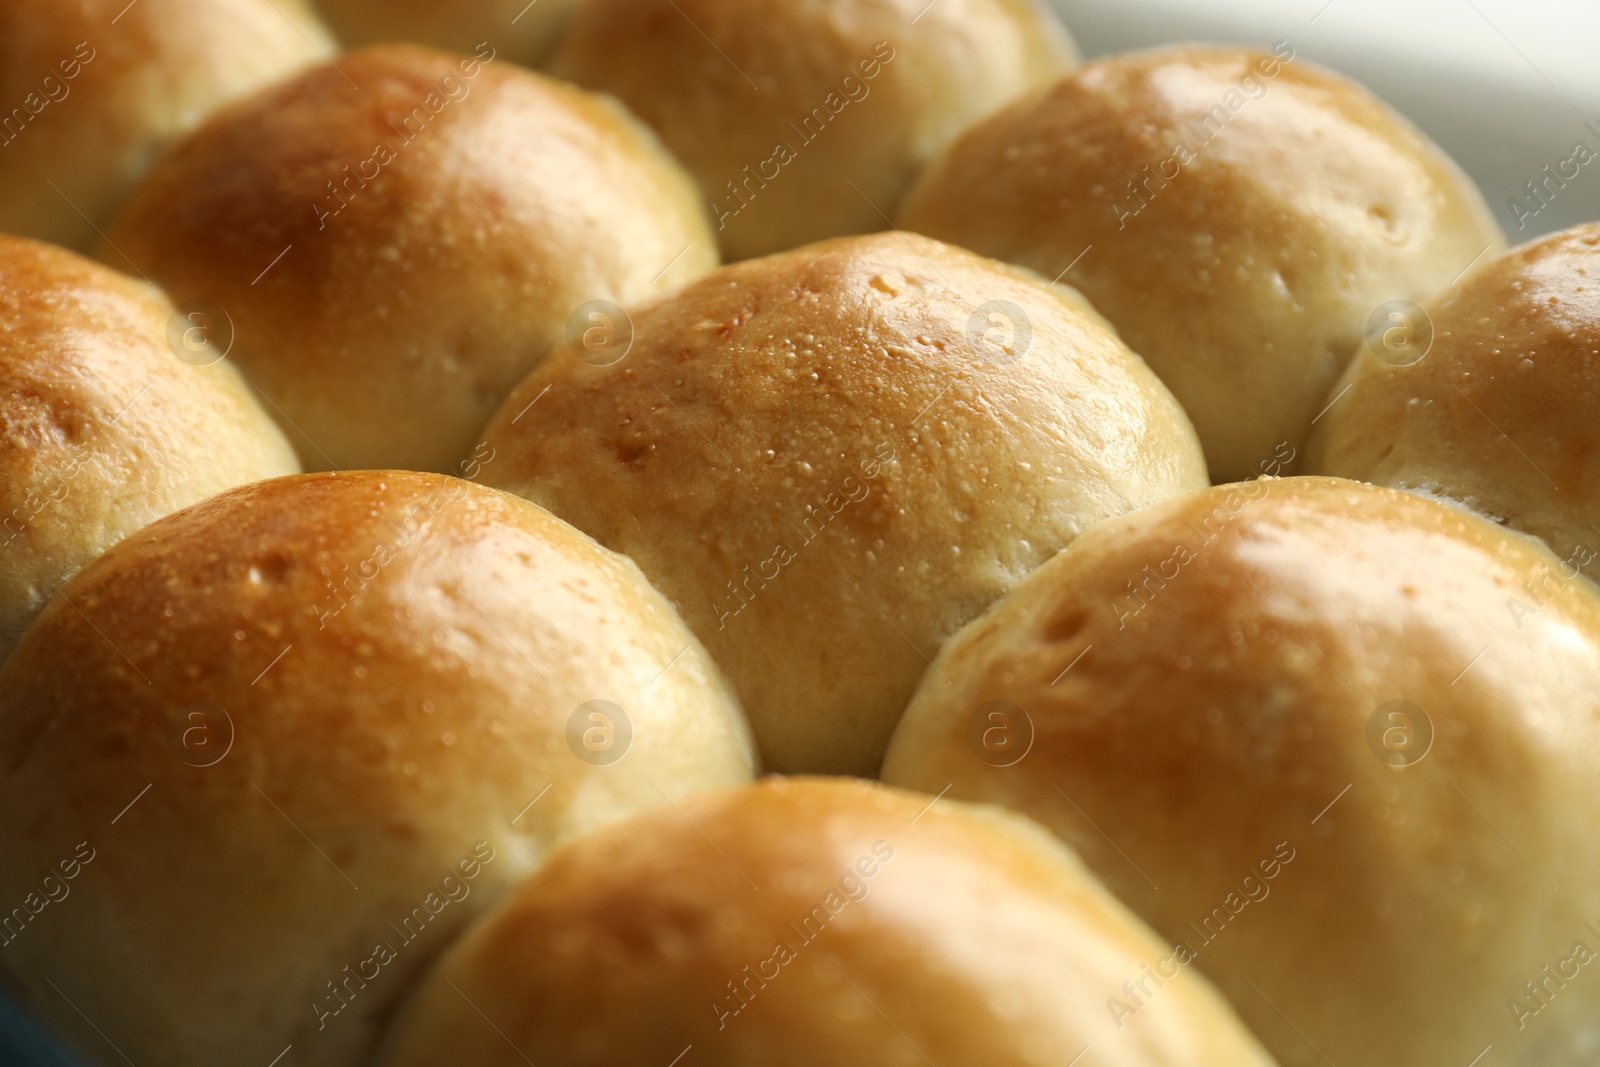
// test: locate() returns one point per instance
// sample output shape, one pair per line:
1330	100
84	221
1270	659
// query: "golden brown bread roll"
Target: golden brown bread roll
805	121
297	735
397	256
1488	396
831	458
1238	215
103	427
811	921
1301	727
521	30
95	90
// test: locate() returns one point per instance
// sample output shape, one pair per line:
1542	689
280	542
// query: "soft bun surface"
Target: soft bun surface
1499	410
281	784
803	922
1239	214
524	32
809	120
398	249
103	428
830	459
97	89
1367	881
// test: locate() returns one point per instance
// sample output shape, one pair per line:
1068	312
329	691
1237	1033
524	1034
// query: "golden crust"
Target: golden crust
299	742
95	91
954	935
1230	718
523	32
1278	211
809	456
396	256
102	427
820	113
1499	411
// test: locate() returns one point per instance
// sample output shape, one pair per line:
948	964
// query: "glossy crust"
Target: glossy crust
809	120
102	427
397	256
95	90
272	775
1364	887
958	935
523	32
809	455
1499	411
1240	215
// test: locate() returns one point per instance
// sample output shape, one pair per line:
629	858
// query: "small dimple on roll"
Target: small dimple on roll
1241	216
832	458
1486	394
115	409
293	738
95	90
401	237
1338	739
813	921
803	121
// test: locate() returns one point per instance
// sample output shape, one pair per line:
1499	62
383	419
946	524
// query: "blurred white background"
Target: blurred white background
1505	86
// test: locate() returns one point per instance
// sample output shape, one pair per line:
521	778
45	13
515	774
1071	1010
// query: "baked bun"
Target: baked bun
810	921
396	257
296	736
1238	215
103	428
523	32
138	77
832	458
809	120
1487	396
1301	726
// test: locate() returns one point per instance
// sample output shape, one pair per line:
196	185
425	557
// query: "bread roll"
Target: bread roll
1325	736
523	31
295	737
1239	216
397	256
93	91
811	921
809	120
103	427
832	458
1487	395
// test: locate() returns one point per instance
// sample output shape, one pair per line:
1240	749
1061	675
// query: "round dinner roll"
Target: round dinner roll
1336	743
832	458
523	31
400	238
1488	396
93	91
103	427
261	761
810	921
809	120
1239	215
